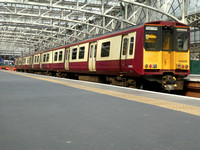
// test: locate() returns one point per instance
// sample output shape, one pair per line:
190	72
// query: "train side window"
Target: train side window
131	46
60	56
47	60
56	56
105	49
35	59
44	57
81	52
95	50
74	53
125	46
67	54
38	58
91	51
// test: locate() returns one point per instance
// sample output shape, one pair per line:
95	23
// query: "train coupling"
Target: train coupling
169	82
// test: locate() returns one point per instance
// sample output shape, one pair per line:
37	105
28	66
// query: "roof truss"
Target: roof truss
44	24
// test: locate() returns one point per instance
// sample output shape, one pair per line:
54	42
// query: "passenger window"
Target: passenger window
47	58
131	46
38	59
56	56
125	46
105	49
66	55
95	50
74	53
91	51
81	52
60	56
44	57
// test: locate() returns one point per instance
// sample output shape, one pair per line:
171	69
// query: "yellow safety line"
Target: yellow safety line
156	102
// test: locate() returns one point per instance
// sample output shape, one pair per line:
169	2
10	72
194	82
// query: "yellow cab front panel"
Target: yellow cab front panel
166	49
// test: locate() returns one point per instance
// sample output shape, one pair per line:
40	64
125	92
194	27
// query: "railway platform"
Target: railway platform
43	112
192	85
193	78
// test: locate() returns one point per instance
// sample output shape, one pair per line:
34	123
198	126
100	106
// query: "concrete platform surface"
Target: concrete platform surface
193	77
47	113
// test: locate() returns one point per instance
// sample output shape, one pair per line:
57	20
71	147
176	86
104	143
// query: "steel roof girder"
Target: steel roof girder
9	38
151	8
33	36
30	24
39	24
193	18
73	9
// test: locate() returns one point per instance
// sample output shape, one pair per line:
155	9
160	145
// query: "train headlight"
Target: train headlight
150	65
186	66
146	66
183	66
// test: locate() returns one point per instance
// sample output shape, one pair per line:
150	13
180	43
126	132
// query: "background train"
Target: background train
155	52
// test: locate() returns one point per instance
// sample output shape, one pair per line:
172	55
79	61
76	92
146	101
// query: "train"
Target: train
153	53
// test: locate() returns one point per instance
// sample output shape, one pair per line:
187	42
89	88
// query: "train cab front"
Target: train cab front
166	55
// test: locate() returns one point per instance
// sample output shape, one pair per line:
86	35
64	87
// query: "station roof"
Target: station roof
36	25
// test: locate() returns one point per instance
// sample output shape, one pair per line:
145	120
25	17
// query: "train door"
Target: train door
92	57
40	60
67	56
124	53
31	62
167	44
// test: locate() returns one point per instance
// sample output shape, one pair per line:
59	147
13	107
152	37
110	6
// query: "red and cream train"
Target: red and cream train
155	52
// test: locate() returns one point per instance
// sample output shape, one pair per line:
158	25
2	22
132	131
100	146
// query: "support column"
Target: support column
183	11
104	19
